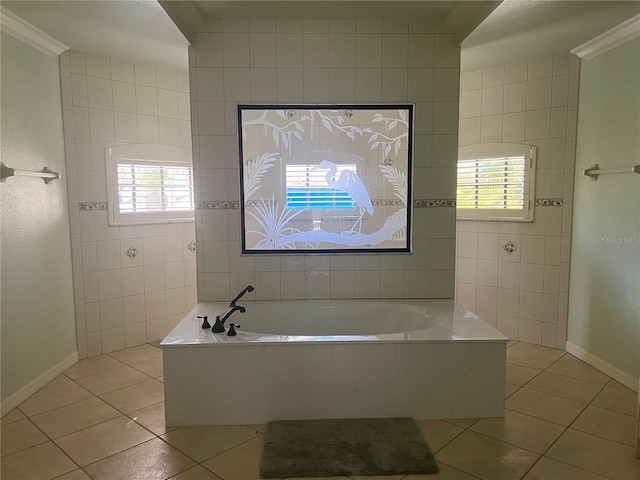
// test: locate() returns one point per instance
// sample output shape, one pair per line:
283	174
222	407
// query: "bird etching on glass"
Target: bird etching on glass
349	182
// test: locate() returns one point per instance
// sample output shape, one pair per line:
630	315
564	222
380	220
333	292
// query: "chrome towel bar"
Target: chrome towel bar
45	174
593	171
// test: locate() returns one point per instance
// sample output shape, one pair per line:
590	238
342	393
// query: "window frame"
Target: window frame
256	149
144	154
499	150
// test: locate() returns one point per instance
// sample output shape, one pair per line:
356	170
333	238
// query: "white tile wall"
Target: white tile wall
122	300
523	293
293	60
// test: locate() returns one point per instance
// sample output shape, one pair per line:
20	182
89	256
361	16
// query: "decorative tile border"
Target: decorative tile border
549	202
434	203
218	204
420	203
90	206
387	203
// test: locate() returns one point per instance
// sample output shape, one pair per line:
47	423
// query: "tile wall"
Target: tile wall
132	284
516	275
321	61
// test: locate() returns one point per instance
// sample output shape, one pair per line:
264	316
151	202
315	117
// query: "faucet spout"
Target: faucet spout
230	312
218	327
248	289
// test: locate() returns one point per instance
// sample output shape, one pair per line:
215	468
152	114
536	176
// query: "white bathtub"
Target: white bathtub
334	359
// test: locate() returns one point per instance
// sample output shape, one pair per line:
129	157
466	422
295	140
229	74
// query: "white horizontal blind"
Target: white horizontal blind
496	181
491	183
154	188
307	188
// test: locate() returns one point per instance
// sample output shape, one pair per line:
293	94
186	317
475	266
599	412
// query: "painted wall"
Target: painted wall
321	61
124	296
38	326
522	292
604	300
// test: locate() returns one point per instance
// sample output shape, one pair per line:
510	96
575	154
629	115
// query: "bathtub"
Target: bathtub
425	359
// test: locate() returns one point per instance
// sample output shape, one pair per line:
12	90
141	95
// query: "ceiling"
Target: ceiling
136	30
529	28
145	31
324	9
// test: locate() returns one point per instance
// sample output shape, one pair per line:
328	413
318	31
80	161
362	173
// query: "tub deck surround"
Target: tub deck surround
425	359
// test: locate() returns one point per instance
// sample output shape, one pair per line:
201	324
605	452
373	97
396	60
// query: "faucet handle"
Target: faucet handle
232	330
205	323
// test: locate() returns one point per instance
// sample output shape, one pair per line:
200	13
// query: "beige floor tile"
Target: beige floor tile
55	397
437	433
510	389
620	400
518	375
446	473
71	418
570	366
196	473
60	380
549	469
259	428
112	380
512	343
202	443
613	384
137	354
607	424
486	458
152	367
566	387
151	418
152	460
160	379
551	352
530	358
520	430
75	475
41	462
20	435
91	366
547	407
13	416
136	396
240	463
597	455
462	422
100	441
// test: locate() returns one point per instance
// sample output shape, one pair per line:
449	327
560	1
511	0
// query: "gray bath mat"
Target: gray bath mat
327	448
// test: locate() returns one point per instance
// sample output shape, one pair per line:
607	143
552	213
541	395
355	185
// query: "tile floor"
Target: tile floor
103	419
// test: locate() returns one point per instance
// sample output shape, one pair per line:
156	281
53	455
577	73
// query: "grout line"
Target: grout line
117	453
51	440
566	428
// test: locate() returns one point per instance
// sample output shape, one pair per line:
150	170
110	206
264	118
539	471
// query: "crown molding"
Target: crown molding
610	39
15	26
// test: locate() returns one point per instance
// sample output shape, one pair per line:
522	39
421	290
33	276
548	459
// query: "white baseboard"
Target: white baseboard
605	367
36	384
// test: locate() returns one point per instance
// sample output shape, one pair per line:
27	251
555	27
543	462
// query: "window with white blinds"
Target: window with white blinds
496	182
154	188
149	185
307	188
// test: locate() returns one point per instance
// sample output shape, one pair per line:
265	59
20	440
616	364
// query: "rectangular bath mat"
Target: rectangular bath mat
361	446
